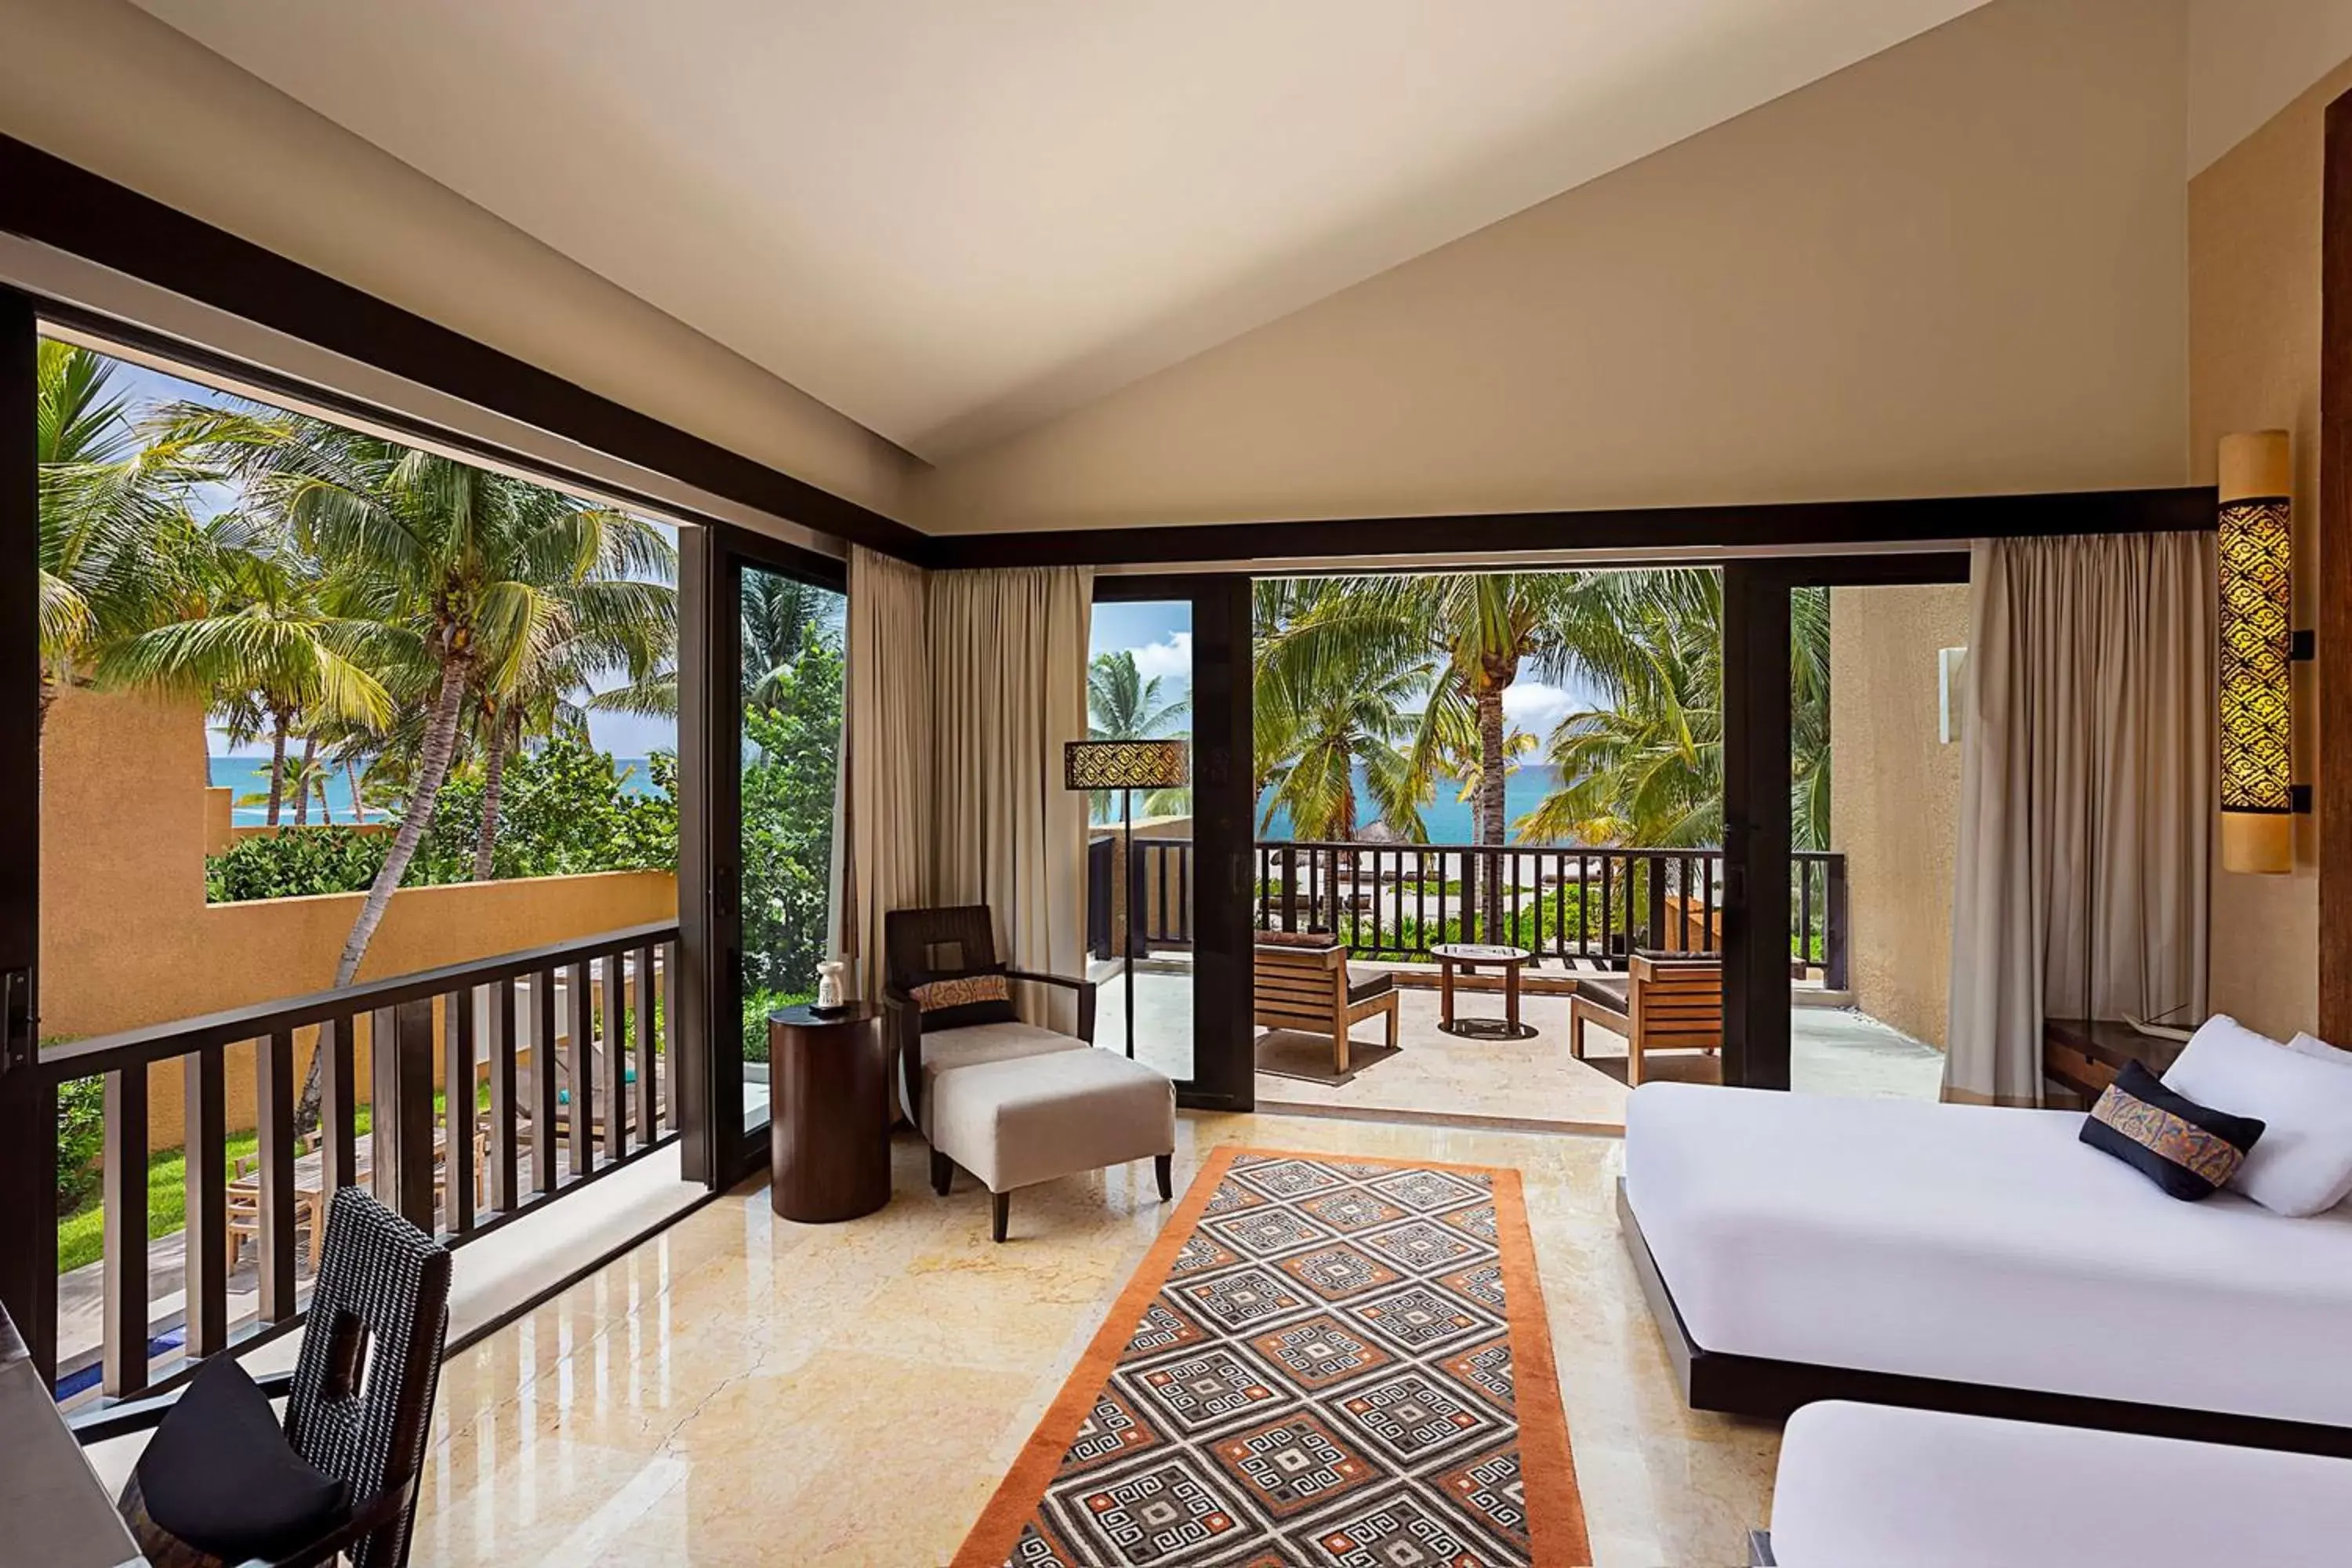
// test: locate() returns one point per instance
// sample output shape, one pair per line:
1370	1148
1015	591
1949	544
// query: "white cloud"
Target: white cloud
1171	657
1536	705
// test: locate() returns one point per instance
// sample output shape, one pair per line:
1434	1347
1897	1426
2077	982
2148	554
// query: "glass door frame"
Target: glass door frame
718	1148
1757	762
1224	1074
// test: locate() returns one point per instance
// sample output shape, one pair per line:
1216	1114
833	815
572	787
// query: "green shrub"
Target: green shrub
757	1006
81	1135
294	863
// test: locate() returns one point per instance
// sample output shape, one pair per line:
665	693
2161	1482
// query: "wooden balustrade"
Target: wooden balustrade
593	1013
1586	903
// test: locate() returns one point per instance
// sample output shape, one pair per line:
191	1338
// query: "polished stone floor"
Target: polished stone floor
743	1390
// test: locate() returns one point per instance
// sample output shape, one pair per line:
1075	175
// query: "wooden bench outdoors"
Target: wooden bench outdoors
1658	1005
1310	989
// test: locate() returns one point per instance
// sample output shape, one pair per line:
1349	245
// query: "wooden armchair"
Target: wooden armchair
1670	1004
1310	988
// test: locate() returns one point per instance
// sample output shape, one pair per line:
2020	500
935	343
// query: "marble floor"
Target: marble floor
743	1390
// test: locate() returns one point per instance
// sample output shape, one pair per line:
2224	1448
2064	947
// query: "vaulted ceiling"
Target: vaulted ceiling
952	218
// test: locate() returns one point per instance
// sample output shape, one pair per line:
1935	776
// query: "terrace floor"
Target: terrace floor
1433	1076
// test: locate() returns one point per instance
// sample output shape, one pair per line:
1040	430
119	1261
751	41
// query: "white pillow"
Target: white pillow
2313	1046
2302	1164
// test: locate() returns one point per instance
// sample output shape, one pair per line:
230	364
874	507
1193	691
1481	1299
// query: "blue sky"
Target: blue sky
622	734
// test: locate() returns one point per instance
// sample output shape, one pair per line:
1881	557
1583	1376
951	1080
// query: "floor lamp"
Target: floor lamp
1127	766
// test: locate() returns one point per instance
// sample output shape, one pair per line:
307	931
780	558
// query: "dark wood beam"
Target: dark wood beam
2333	790
1633	530
45	199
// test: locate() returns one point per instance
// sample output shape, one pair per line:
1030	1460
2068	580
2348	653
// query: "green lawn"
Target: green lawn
81	1234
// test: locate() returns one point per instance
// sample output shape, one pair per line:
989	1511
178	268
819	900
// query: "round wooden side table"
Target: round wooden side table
828	1136
1470	957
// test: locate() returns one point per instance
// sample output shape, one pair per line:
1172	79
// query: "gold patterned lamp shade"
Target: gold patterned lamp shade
2256	549
1125	764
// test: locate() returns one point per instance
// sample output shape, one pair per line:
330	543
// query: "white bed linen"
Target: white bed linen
1862	1486
1984	1246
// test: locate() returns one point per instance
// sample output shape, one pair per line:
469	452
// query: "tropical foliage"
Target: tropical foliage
791	735
1122	704
1399	682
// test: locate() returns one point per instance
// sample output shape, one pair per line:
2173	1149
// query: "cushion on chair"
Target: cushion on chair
1363	985
218	1482
1027	1119
1614	992
1316	939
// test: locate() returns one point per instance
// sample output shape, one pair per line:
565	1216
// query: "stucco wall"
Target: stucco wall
127	939
1956	268
1895	796
2253	345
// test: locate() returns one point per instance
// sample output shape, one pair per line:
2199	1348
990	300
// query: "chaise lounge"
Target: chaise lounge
1011	1102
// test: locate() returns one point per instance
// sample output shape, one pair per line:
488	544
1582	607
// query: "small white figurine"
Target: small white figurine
828	983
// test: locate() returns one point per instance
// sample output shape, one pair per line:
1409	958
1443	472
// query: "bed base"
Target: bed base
1771	1390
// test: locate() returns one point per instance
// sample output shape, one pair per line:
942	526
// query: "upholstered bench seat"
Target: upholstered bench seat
1018	1119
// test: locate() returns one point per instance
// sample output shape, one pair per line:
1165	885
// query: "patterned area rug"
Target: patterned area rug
1324	1362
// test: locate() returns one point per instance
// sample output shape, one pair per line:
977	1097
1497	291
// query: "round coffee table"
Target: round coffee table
1471	957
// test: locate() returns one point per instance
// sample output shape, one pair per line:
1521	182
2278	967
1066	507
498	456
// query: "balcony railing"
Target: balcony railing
595	1092
1577	903
1572	903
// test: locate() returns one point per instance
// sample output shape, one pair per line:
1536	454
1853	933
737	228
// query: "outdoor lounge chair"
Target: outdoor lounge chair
1663	1002
1303	982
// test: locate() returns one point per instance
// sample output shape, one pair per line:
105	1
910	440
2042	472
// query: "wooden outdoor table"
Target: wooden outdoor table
1471	957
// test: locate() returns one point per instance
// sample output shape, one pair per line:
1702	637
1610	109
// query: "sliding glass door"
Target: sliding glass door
1167	927
762	689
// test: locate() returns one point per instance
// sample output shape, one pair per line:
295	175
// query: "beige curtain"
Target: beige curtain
2086	798
888	756
1008	654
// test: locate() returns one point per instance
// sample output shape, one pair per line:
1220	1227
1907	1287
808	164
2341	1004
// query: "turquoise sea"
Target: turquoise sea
1451	820
250	775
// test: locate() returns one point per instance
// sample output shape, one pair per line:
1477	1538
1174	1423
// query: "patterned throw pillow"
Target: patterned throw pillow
2190	1149
959	1001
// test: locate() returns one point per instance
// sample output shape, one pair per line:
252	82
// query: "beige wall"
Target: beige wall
127	939
2254	343
1895	796
104	85
1955	267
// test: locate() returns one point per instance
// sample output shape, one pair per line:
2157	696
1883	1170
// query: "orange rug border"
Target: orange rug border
1557	1535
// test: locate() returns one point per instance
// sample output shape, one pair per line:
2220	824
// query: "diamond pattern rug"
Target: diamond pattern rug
1323	1363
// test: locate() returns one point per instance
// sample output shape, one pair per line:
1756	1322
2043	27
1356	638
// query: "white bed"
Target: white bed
1863	1486
1980	1245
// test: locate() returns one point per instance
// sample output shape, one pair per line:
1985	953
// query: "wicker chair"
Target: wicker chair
360	1400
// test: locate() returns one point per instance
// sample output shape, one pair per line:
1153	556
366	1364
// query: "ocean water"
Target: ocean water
250	775
1450	820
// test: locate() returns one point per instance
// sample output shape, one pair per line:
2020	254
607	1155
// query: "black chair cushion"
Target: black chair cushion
1613	992
220	1481
1363	985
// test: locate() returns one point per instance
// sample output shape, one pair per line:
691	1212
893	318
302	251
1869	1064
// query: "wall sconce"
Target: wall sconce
2256	549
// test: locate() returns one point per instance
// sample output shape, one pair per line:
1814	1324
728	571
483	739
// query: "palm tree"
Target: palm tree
472	577
1121	705
255	640
113	512
778	612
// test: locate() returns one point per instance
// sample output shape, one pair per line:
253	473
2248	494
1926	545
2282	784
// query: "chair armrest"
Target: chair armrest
1085	988
382	1510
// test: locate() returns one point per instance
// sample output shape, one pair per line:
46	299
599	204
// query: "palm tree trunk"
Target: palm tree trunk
277	767
303	793
358	808
1490	803
494	768
326	803
432	768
